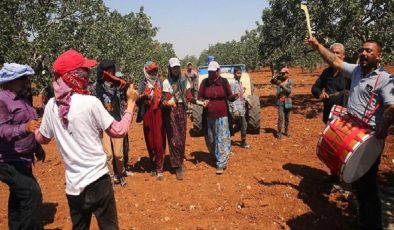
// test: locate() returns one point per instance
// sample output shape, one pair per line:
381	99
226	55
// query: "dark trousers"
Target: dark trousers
25	198
239	124
97	198
283	114
366	190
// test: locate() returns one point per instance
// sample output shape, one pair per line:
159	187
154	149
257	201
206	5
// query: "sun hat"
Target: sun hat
12	71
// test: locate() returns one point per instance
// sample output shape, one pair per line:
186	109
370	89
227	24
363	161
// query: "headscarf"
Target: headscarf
178	85
64	86
12	71
151	79
153	87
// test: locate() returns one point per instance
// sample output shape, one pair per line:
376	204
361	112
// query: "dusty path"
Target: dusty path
274	185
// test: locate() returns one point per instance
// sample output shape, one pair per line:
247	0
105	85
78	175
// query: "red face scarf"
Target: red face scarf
74	81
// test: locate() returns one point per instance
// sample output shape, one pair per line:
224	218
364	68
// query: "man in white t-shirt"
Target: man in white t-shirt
371	99
75	119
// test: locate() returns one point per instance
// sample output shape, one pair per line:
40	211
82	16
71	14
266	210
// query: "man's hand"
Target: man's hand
312	41
236	115
32	125
171	103
131	93
324	95
108	107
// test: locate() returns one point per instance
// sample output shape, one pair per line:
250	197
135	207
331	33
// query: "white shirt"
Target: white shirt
167	88
79	144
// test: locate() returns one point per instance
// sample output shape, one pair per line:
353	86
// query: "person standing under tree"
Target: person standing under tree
332	88
283	101
214	92
108	93
75	119
238	107
176	90
150	112
18	121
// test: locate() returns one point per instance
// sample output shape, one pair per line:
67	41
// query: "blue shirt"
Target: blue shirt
362	87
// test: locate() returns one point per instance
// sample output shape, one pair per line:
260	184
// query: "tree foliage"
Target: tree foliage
278	39
244	51
348	22
35	32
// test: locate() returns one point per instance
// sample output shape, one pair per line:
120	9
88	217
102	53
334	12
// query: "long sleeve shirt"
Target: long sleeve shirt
16	144
217	93
331	83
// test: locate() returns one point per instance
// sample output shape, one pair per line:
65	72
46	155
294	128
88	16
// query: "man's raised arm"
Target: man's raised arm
327	55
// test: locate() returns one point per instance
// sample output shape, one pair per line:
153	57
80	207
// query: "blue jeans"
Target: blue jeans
218	140
25	197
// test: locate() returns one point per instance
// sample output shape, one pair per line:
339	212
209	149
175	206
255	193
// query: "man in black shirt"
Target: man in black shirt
331	87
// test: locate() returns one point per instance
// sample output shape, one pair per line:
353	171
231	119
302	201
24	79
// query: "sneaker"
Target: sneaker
153	173
116	179
287	134
160	176
123	181
279	136
179	173
219	170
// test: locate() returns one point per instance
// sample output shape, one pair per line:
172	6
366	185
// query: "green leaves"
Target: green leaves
35	32
278	40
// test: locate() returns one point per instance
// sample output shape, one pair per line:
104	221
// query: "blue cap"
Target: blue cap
12	71
210	58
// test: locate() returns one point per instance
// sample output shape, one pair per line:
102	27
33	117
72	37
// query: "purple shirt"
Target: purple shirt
15	143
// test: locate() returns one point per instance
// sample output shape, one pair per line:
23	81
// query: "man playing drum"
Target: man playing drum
371	95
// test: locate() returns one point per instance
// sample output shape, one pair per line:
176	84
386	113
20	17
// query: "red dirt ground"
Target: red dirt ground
277	184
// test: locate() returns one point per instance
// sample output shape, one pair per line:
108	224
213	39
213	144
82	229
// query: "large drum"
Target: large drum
348	146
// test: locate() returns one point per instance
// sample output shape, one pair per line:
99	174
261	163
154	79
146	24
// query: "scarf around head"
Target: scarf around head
178	85
153	87
150	79
74	81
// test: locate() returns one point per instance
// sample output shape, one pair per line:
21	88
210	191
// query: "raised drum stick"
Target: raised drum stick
304	7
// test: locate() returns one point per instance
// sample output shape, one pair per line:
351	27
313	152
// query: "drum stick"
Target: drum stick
308	20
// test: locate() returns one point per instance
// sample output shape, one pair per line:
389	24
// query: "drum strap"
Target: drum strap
370	113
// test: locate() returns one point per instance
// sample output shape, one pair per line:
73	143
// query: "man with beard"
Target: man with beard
371	95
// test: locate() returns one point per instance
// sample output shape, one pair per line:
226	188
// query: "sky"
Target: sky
192	25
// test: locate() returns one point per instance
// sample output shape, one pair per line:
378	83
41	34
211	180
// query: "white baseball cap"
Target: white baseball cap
213	66
174	62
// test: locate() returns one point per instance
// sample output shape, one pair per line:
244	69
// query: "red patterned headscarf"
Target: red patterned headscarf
64	86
